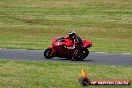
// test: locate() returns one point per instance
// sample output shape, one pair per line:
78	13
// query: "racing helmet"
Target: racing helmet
72	34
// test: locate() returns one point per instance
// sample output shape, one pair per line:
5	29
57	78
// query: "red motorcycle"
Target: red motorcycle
59	49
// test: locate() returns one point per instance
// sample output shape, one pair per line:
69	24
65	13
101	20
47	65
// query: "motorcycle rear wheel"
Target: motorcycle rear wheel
47	53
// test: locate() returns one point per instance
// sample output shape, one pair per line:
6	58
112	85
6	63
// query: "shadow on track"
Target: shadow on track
75	60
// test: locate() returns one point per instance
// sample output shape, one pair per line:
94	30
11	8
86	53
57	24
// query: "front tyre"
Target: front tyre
85	53
47	53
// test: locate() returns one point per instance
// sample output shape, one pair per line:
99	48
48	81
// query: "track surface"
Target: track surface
93	58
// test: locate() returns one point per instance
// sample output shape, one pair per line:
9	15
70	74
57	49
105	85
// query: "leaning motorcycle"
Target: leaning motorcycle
59	49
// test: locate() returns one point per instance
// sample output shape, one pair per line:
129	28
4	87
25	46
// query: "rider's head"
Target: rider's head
72	34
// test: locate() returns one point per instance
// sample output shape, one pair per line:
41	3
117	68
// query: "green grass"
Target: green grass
24	74
31	24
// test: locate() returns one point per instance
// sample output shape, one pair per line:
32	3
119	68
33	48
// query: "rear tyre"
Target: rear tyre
47	53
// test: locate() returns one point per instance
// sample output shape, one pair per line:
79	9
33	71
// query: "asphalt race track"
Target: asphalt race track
93	58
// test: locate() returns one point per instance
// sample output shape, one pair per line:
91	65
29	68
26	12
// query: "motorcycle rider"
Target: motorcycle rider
77	43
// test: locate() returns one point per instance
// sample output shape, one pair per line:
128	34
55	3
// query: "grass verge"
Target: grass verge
31	24
24	74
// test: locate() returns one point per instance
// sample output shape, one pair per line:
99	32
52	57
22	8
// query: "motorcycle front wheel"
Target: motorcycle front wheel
85	53
82	54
